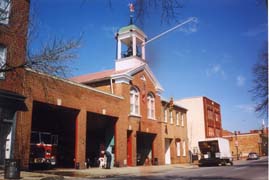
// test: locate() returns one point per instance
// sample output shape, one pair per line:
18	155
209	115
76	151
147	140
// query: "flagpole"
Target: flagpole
169	30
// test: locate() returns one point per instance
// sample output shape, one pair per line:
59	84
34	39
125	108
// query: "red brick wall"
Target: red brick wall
142	123
246	143
14	34
146	125
211	123
43	88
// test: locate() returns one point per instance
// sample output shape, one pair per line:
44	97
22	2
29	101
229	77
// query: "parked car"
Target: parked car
253	156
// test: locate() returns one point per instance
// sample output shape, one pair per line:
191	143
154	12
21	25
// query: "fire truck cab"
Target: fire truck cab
43	149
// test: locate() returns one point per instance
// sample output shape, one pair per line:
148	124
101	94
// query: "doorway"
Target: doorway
167	151
129	148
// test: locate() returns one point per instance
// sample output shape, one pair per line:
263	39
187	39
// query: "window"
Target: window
182	120
217	116
177	118
211	132
184	148
3	52
4	11
165	115
178	148
210	114
171	117
151	106
134	101
218	132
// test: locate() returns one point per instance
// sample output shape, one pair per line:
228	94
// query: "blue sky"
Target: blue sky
212	57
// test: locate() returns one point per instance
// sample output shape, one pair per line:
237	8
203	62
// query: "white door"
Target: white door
8	146
167	151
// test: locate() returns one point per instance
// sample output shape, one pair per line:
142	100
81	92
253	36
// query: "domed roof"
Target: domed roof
130	28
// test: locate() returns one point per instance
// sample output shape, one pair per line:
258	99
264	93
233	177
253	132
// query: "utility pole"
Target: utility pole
236	145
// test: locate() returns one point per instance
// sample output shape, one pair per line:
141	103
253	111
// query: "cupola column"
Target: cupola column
143	50
134	45
119	49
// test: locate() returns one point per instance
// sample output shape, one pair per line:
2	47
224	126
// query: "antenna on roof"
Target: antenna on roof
169	30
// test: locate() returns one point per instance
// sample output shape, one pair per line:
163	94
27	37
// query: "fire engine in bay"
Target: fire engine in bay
43	149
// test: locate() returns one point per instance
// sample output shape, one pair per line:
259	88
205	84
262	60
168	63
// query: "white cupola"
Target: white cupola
130	47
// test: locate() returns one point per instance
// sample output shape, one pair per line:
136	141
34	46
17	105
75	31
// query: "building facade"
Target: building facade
241	144
13	31
118	110
146	128
174	130
204	120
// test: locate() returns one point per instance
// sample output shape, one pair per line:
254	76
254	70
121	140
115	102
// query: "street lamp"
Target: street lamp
236	145
260	143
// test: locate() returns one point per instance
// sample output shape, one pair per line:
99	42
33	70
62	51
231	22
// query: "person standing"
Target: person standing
108	158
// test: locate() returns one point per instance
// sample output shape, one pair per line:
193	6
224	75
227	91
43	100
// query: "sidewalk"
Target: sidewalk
59	174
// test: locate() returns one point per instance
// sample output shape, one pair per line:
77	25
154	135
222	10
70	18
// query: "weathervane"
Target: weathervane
132	9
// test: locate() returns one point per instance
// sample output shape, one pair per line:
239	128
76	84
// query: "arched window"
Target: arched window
151	106
134	101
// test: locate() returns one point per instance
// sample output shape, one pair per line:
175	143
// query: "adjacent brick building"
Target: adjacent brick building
241	144
13	33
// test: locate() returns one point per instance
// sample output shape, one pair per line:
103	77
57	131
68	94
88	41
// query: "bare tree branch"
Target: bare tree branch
52	56
260	83
170	10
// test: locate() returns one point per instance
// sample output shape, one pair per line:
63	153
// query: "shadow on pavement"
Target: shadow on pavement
172	177
255	163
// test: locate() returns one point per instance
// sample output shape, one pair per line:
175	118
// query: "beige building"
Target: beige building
204	120
174	132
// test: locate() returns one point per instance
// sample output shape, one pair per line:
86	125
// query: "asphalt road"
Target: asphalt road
242	170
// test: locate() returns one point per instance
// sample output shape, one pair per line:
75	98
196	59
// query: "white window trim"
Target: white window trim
165	115
182	120
151	106
5	11
177	118
3	60
171	117
133	103
178	149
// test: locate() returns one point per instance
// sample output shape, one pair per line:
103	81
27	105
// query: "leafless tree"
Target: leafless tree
169	9
260	83
52	55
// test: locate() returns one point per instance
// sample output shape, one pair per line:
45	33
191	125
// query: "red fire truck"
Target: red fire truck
43	149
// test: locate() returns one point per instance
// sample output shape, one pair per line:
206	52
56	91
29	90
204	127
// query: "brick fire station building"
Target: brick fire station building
119	110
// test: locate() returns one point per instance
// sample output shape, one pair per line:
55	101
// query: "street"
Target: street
242	170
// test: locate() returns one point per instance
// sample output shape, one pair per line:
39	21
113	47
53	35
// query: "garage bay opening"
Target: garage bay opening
100	137
52	136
